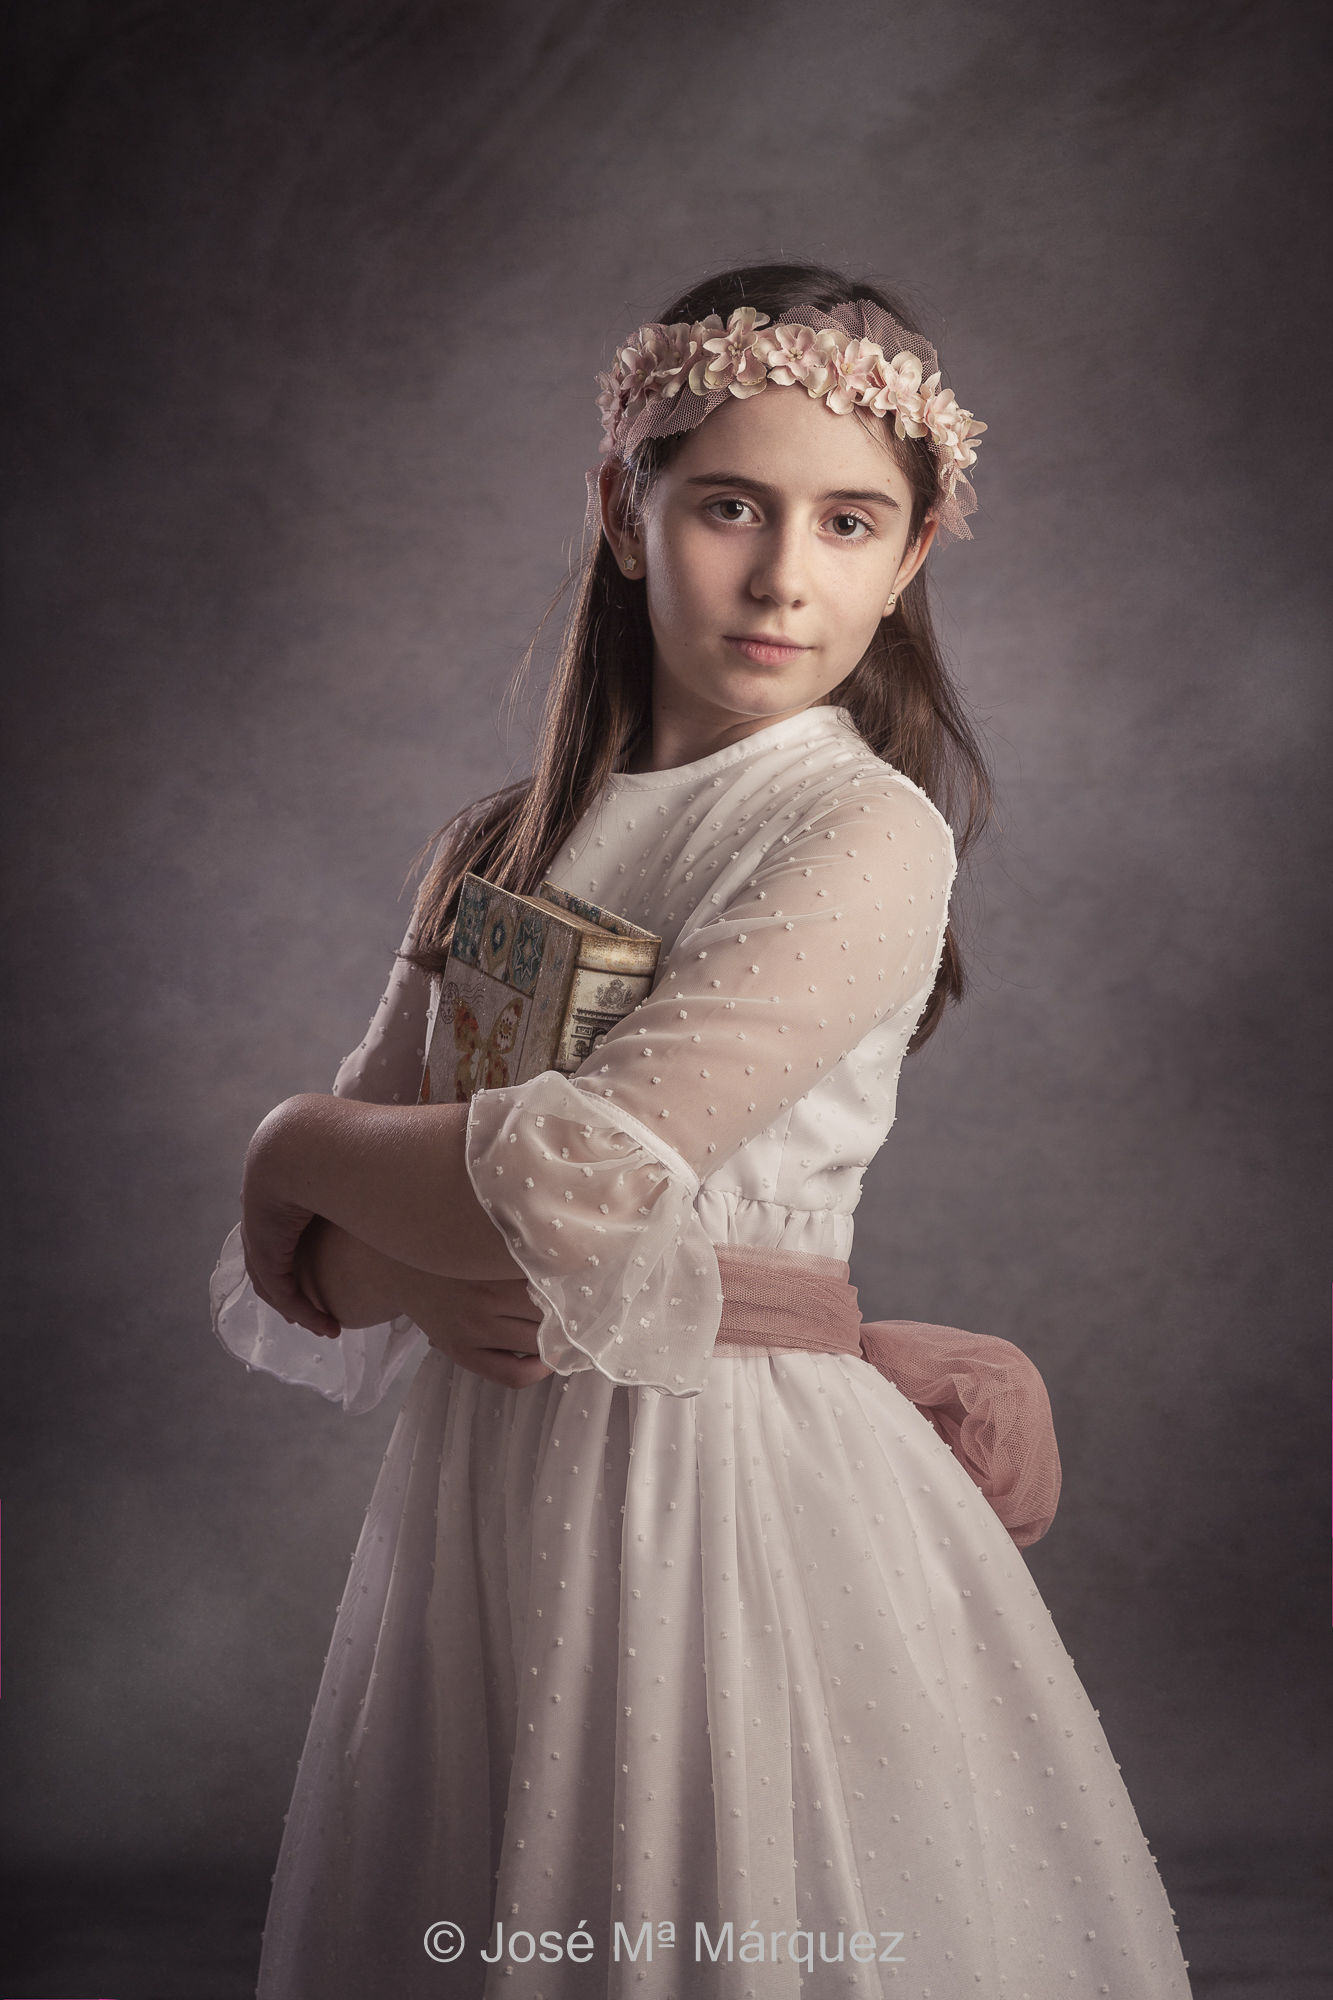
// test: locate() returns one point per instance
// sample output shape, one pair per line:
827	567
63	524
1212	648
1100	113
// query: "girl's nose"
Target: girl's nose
780	570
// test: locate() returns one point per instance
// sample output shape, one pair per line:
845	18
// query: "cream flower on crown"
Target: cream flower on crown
735	365
798	356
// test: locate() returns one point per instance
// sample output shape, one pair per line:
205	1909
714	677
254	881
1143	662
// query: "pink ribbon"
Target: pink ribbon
983	1395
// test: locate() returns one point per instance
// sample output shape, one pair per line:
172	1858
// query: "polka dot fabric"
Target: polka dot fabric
732	1640
819	937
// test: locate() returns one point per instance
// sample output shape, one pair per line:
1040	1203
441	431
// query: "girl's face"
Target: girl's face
769	547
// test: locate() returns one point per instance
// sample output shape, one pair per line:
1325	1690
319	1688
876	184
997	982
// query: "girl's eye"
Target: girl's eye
732	502
856	521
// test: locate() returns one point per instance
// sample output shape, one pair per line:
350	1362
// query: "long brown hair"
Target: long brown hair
598	708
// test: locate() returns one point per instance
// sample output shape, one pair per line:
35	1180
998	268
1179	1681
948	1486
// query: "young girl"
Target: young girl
687	1649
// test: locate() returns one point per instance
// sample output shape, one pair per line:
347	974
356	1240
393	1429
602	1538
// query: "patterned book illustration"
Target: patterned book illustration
531	983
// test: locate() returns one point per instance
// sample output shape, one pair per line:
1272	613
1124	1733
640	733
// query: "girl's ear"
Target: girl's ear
626	545
914	557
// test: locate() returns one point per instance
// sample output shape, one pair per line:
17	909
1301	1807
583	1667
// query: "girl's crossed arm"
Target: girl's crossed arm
392	1175
343	1280
589	1182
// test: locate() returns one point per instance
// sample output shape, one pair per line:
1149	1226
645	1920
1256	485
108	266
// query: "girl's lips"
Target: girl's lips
767	652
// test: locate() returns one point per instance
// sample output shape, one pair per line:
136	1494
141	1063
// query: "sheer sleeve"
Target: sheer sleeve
592	1178
357	1368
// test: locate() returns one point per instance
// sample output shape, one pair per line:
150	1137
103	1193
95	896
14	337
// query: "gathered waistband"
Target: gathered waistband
983	1395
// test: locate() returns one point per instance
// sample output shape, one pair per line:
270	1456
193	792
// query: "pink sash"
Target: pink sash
984	1397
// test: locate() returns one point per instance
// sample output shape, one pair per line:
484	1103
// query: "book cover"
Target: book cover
531	983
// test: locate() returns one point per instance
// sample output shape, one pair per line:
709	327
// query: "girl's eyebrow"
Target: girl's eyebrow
757	486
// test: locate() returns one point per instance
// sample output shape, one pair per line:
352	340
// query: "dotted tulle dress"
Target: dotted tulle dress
728	1646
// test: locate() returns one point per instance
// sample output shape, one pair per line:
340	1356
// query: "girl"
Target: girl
681	1654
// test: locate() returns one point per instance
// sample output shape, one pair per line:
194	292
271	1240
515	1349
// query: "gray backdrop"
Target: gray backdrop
281	527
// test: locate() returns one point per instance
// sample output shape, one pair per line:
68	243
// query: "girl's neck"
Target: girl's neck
677	739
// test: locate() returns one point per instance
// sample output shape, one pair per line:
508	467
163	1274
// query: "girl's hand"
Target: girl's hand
487	1325
271	1228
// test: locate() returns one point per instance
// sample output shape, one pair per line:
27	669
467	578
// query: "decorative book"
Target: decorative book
531	983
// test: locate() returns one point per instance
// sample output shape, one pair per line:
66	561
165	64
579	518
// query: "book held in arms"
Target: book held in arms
531	983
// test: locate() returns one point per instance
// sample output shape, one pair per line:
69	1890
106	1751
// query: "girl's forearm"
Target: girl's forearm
392	1175
359	1286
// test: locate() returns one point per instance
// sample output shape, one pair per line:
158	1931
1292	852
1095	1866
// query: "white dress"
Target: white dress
728	1646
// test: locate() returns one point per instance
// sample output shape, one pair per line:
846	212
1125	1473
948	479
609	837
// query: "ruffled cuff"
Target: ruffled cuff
355	1370
599	1212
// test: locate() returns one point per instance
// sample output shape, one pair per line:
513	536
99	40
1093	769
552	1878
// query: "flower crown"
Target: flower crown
668	378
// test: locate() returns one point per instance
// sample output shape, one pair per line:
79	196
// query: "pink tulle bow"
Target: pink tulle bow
989	1404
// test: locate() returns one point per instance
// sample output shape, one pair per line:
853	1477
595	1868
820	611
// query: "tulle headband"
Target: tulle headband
669	378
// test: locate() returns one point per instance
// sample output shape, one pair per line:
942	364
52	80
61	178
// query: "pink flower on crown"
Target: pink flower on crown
961	449
797	356
950	427
734	365
859	377
657	361
611	402
900	387
908	418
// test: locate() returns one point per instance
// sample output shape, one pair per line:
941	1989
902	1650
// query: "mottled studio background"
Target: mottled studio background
305	302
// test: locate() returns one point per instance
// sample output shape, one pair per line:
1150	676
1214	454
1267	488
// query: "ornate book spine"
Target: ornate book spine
597	1000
